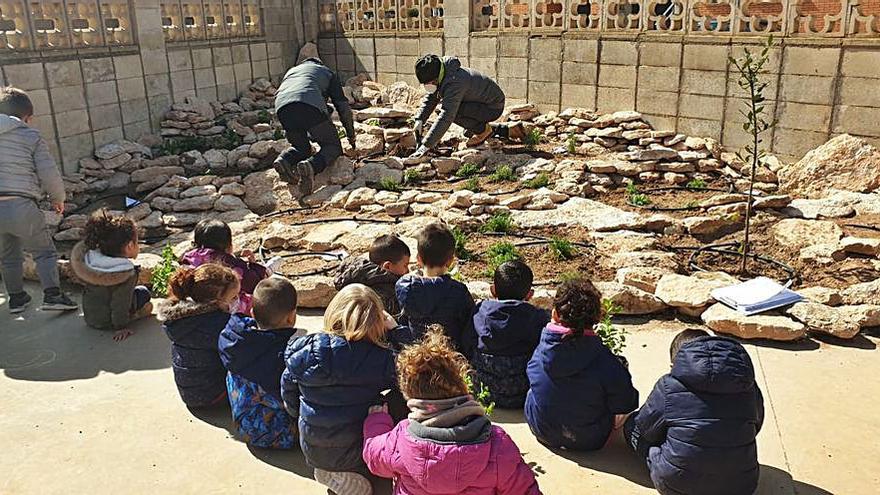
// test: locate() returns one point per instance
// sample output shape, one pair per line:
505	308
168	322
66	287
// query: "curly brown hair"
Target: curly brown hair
109	233
432	369
578	304
204	284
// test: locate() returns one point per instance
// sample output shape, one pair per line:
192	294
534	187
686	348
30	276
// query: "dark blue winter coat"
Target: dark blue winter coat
698	426
437	300
507	334
193	329
333	383
256	355
576	387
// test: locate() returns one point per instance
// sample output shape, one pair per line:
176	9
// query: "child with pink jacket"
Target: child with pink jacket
447	444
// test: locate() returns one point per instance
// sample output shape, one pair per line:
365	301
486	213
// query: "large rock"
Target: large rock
151	173
591	214
631	300
265	192
864	293
324	236
710	228
314	291
691	295
722	319
372	172
845	162
280	235
798	233
861	245
229	202
380	113
198	203
819	208
641	277
360	197
822	295
401	94
825	319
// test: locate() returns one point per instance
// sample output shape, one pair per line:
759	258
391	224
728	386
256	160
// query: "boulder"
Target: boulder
195	191
373	172
864	293
322	195
314	291
819	208
198	203
109	151
182	219
324	236
151	173
861	245
281	235
632	301
201	107
865	315
462	199
845	162
229	203
380	113
590	214
151	221
401	94
798	233
722	319
360	197
446	166
824	319
691	294
822	295
233	189
74	234
643	277
397	209
116	162
711	227
265	192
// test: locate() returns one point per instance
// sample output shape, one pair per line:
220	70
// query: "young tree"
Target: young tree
749	66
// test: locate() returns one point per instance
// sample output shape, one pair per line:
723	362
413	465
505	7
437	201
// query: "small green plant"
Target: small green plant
177	146
498	254
634	197
533	138
537	182
461	240
571	143
692	204
412	176
503	173
340	131
696	184
467	170
373	122
163	272
562	249
229	140
459	276
500	222
473	184
569	276
614	338
481	393
264	117
388	184
279	134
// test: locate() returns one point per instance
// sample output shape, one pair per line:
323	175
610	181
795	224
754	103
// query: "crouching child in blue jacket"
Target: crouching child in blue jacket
252	350
508	330
697	429
579	391
331	380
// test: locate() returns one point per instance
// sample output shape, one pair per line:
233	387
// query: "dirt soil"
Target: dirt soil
666	197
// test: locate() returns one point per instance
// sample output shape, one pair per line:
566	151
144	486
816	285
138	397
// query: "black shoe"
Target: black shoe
18	302
55	300
306	177
285	171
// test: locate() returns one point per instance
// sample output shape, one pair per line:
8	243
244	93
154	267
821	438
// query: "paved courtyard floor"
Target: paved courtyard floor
84	415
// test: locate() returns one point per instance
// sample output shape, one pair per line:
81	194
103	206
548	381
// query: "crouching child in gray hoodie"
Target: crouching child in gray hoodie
28	173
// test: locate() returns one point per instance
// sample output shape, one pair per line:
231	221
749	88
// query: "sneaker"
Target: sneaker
478	139
18	302
344	483
55	300
306	175
285	171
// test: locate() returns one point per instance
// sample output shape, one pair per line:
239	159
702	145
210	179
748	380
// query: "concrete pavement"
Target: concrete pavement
83	414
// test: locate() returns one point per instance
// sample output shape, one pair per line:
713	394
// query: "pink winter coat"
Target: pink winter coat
423	467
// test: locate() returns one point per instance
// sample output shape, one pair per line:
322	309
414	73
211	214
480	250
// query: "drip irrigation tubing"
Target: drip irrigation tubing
653	207
862	226
724	249
92	202
289	210
261	251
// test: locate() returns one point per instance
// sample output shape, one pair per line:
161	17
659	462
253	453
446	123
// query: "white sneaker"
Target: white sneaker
343	482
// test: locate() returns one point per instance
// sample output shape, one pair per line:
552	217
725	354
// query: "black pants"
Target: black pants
632	436
303	124
474	116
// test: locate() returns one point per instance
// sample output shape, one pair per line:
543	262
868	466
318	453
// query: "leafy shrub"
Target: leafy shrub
533	138
696	184
614	338
388	184
498	254
571	143
229	140
539	181
279	134
412	176
503	173
481	393
461	240
499	222
562	249
473	184
178	146
634	197
163	272
459	276
340	131
569	276
373	122
467	170
264	117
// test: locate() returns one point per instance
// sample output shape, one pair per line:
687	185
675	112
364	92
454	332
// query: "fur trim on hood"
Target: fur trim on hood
90	275
169	310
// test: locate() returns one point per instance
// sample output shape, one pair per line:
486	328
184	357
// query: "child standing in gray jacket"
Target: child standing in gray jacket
27	173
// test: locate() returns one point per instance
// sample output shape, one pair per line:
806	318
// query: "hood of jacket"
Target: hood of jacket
360	270
451	64
94	268
323	360
565	355
714	364
427	295
9	123
462	454
169	311
501	325
254	354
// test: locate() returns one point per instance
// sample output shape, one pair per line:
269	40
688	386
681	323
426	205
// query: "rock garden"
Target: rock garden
654	217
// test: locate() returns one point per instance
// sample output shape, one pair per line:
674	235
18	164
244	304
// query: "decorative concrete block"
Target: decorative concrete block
259	51
619	52
657	103
617	76
698	127
225	74
484	47
67	98
385	63
804	116
514	87
242	71
860	91
864	62
808	89
857	120
615	99
430	44
204	78
811	61
241	54
98	69
134	110
105	116
545	49
660	54
158	84
222	55
513	46
40	101
659	78
202	58
128	66
25	76
705	82
405	46
63	73
579	73
576	95
544	92
182	81
705	57
101	93
701	107
794	143
155	62
580	50
72	148
180	59
107	136
544	70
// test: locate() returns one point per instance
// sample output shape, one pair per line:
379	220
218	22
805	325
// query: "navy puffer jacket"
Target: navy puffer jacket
699	424
193	329
333	383
576	387
437	300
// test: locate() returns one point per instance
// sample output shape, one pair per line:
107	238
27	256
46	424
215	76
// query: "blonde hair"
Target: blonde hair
356	313
432	369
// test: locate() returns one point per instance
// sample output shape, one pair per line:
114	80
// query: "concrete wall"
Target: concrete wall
85	98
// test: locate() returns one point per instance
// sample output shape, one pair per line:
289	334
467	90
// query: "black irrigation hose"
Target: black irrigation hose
92	202
353	218
862	226
290	210
722	249
652	207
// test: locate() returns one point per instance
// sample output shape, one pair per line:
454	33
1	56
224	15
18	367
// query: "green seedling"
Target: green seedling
467	170
340	131
163	272
279	134
373	122
696	184
569	276
481	393
613	337
388	184
503	173
500	222
562	249
472	184
539	181
461	240
533	138
634	197
571	143
412	176
498	254
264	117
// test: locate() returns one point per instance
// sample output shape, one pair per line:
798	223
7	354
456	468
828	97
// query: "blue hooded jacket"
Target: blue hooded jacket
332	383
437	300
256	355
576	387
698	426
508	328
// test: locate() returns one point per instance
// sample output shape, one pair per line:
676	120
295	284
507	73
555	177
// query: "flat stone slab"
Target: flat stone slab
722	319
579	211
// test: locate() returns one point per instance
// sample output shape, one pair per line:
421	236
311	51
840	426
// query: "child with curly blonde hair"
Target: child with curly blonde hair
448	444
331	380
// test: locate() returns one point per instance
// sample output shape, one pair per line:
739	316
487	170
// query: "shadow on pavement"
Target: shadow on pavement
615	458
857	342
775	481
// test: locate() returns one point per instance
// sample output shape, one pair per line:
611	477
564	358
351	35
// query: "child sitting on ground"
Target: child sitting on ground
697	429
433	297
448	444
253	352
579	391
213	244
388	260
331	380
195	313
508	330
28	173
111	298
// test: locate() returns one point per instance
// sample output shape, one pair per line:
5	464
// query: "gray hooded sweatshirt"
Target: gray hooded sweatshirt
312	82
459	85
27	169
